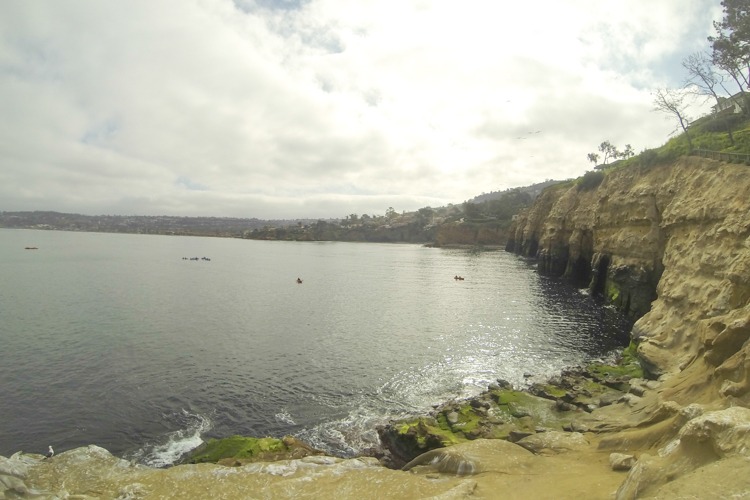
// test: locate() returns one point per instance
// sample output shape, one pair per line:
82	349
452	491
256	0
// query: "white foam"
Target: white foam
178	442
284	417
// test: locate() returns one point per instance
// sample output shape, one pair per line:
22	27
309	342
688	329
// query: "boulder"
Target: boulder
486	455
621	461
702	442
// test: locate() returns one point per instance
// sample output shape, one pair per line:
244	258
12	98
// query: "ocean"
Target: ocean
146	345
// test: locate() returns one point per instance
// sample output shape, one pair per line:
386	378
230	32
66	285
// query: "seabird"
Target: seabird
49	453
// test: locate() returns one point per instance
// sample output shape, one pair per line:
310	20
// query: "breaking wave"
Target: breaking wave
177	443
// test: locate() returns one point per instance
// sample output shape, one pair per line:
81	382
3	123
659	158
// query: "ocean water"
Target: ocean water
125	342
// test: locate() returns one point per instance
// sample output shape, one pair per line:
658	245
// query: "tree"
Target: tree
505	207
608	150
390	213
672	102
704	80
425	214
731	45
471	210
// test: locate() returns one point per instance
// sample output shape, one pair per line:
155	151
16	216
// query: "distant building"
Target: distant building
729	105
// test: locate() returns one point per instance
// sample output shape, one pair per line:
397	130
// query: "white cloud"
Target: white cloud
322	108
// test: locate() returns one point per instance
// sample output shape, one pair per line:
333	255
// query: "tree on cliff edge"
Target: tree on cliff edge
672	102
730	47
705	81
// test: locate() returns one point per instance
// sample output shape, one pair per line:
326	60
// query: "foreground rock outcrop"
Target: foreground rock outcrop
480	469
667	244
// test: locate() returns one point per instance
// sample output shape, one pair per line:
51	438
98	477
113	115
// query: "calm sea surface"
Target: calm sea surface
116	340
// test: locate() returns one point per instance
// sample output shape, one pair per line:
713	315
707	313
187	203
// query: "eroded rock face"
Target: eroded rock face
705	443
670	246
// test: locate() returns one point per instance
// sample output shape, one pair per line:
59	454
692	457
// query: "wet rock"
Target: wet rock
504	384
235	451
561	405
474	434
609	398
408	439
479	403
550	391
518	411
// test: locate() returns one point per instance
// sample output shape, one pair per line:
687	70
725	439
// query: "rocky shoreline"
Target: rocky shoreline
605	423
667	244
542	418
514	414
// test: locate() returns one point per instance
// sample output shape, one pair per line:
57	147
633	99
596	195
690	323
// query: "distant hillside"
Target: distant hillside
161	224
532	190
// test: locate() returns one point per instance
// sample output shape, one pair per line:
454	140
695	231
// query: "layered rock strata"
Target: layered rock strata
669	246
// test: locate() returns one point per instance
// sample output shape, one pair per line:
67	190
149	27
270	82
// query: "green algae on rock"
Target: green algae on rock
502	412
239	450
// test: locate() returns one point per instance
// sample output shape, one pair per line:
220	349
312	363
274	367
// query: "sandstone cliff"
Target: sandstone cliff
669	245
678	234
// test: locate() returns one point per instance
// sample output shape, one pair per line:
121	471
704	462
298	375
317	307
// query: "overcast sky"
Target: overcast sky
323	108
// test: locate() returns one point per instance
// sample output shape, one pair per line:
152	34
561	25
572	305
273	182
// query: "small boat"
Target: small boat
299	281
31	248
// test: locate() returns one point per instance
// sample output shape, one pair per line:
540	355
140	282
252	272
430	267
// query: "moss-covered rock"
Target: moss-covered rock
618	374
238	450
499	413
503	412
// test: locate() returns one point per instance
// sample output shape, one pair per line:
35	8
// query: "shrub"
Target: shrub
590	180
722	123
648	158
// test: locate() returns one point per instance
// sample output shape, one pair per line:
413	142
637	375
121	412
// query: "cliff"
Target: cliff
670	246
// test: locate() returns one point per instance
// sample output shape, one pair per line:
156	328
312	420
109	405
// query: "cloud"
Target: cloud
321	108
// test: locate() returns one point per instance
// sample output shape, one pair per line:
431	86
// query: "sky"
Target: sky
283	109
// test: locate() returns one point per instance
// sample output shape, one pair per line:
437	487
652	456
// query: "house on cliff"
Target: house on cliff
729	105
